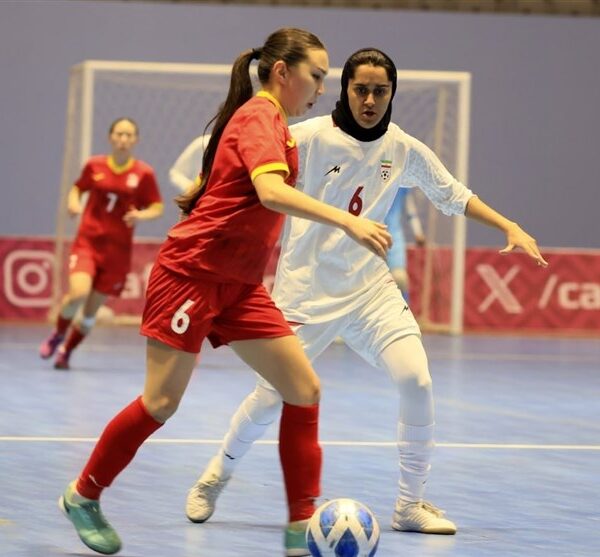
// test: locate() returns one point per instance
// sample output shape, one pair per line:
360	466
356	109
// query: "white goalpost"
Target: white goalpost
172	104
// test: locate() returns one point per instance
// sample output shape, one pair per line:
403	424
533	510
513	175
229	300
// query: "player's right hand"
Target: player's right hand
74	209
370	234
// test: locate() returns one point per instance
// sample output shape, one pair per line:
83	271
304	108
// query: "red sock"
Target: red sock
62	324
74	338
301	458
115	449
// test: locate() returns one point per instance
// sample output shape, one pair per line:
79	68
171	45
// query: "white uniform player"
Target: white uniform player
320	275
327	287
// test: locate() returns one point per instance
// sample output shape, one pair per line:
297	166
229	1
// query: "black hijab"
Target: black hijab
342	115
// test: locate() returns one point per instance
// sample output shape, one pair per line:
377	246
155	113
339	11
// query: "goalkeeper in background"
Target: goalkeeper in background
403	208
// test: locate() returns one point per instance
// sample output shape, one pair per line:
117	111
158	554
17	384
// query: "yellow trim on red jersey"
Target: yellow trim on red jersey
270	167
268	96
119	169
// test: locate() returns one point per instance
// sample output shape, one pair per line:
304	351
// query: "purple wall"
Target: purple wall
536	91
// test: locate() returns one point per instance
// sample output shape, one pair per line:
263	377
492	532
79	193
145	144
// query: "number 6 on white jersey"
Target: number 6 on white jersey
181	320
356	203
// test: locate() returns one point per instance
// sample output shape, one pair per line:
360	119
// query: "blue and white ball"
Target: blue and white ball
342	528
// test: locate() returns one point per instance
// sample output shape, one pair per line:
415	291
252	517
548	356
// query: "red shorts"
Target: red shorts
182	312
108	267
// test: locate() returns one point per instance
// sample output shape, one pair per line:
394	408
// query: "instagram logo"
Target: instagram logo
27	278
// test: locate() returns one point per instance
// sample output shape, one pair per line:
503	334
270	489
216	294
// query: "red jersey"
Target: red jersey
229	235
113	190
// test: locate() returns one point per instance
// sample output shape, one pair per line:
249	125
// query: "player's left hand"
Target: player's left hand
370	234
516	237
132	216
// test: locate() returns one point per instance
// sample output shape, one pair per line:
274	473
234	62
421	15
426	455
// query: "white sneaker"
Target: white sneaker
202	498
421	517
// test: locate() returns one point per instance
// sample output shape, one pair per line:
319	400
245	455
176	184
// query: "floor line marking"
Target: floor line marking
497	446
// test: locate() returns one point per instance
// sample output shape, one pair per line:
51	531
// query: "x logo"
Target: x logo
499	289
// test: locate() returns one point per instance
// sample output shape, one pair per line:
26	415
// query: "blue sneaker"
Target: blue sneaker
295	539
91	526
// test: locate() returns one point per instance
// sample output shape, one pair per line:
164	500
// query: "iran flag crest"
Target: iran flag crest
386	170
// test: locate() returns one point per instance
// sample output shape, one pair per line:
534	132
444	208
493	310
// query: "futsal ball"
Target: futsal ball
342	528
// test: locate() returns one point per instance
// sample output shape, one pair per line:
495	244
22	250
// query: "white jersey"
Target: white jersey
322	273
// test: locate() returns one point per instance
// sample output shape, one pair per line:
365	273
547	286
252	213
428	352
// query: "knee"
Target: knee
423	382
161	408
418	382
309	393
413	380
75	298
264	405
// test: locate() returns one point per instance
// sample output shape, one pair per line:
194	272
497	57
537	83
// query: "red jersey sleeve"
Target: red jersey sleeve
262	144
148	191
85	181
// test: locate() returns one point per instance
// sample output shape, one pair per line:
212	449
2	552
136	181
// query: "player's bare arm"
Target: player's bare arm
74	201
515	235
276	195
135	215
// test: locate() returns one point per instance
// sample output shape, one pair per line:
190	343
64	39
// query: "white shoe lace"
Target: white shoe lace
421	516
430	507
209	488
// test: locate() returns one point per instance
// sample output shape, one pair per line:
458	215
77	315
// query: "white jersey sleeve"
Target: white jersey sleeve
188	165
424	170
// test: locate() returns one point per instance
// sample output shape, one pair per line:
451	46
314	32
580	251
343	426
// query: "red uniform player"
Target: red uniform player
121	191
207	283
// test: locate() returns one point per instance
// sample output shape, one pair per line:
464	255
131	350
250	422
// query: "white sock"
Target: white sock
406	362
415	445
249	423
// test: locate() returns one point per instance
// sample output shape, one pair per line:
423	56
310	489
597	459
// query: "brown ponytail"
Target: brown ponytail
287	44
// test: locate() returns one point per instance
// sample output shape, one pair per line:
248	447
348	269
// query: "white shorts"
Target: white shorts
368	329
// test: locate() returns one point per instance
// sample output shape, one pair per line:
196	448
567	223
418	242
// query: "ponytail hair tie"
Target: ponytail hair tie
256	53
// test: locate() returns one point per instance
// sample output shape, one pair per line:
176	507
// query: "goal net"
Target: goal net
172	104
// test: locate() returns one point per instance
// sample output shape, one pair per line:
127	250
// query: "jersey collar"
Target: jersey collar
119	169
268	96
